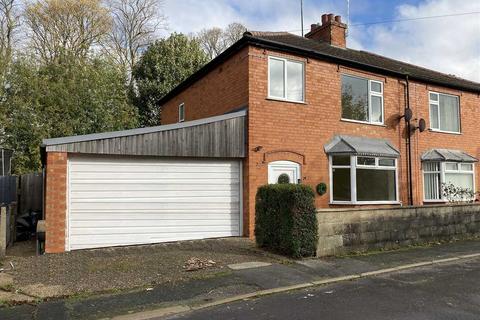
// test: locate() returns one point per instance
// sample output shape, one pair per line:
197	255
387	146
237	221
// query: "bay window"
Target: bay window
363	179
286	79
436	175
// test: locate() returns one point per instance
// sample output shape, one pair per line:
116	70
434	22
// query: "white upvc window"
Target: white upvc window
363	180
444	112
362	100
286	79
438	174
181	112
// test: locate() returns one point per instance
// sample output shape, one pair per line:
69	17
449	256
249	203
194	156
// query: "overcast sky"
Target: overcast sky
447	44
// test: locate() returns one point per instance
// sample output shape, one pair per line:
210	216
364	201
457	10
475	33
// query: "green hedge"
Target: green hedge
286	220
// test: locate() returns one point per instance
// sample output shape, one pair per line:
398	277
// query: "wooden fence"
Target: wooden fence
26	190
18	195
8	189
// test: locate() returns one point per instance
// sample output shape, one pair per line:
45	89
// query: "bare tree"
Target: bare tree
212	41
135	23
66	27
215	40
233	33
9	21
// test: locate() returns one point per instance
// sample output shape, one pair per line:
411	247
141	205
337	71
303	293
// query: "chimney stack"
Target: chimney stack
332	30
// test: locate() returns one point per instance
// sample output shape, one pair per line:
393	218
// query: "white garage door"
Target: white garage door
129	200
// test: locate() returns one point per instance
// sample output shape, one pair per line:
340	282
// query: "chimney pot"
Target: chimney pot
324	18
331	31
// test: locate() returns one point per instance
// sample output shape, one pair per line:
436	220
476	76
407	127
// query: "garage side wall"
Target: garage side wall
56	201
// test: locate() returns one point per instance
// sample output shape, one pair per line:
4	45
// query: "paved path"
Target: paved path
446	291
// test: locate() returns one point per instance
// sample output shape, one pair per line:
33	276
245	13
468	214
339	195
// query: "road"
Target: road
447	291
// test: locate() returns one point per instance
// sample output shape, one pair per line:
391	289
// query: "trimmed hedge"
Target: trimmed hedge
286	220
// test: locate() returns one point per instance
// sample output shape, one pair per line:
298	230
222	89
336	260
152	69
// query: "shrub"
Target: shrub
286	220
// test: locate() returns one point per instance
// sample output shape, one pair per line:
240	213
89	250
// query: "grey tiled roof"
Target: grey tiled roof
447	155
343	144
365	58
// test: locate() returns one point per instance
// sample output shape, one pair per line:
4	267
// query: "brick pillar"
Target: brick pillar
55	201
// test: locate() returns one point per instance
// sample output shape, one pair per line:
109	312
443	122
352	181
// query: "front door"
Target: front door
283	171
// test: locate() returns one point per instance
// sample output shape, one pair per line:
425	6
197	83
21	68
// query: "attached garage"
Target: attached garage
151	185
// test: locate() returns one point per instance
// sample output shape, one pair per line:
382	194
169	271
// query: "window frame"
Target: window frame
181	112
353	179
285	76
443	170
437	103
370	93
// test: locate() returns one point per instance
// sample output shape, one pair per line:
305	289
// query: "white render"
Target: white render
117	201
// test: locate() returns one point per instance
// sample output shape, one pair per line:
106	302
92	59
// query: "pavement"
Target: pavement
440	291
206	294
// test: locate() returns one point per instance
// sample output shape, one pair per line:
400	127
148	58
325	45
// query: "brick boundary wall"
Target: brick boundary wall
343	231
56	202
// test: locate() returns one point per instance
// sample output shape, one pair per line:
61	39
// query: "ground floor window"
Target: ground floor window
363	179
440	178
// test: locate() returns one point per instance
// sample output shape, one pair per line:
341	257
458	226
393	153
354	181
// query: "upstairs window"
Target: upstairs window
362	100
181	112
444	112
285	79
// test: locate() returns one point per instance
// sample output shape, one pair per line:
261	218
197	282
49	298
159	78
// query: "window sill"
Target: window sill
445	132
286	100
361	203
434	201
363	122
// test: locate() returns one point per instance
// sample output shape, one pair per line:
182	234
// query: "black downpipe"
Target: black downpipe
409	147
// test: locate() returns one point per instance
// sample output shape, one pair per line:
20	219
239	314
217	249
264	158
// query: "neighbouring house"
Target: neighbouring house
274	104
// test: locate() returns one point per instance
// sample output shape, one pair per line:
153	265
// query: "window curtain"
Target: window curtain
463	180
432	181
449	113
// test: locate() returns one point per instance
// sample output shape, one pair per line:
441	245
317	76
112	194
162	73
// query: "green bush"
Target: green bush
286	220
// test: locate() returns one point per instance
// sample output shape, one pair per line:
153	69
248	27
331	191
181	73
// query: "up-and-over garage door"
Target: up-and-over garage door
133	200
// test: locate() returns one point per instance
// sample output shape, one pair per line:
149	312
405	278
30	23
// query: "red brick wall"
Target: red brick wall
298	131
56	201
222	90
305	128
468	140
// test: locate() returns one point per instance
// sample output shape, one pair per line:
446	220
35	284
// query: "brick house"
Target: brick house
274	104
294	122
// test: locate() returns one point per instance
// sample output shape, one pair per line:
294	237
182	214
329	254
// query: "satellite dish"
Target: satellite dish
422	125
408	114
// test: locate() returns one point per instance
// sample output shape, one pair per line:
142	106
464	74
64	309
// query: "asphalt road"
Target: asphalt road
447	291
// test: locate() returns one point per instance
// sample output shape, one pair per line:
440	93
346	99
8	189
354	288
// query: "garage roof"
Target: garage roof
219	136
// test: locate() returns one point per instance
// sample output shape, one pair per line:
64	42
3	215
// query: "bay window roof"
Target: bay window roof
447	155
342	144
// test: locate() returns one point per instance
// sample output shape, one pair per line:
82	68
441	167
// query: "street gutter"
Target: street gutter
183	308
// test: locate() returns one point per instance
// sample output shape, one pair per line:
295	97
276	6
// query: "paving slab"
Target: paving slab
248	265
276	275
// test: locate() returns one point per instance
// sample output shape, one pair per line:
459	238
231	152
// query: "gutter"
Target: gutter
409	144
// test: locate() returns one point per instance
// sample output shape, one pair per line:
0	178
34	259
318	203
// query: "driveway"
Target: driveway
113	269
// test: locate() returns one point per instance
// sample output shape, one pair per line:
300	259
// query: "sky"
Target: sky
446	44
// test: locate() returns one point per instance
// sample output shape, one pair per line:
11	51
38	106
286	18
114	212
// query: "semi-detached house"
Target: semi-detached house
307	109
